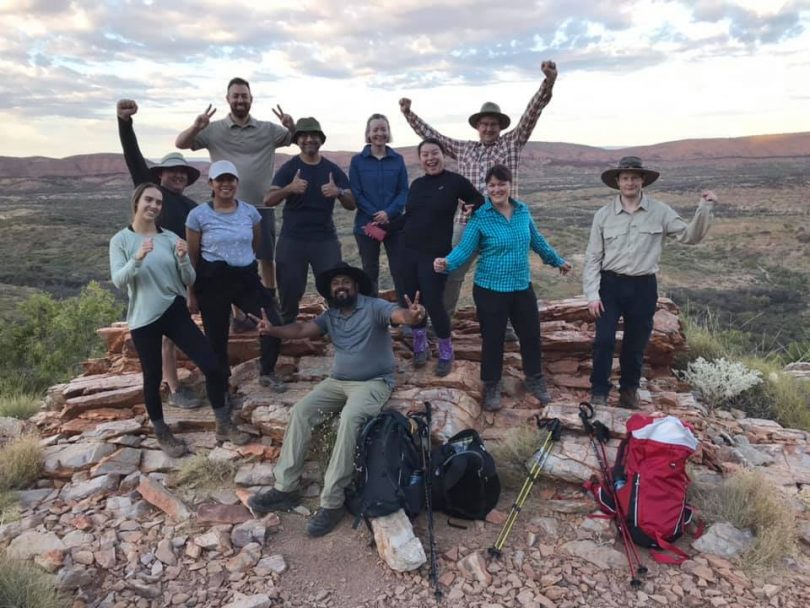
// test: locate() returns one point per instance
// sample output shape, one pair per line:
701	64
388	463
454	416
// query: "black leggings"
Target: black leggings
176	324
217	287
417	274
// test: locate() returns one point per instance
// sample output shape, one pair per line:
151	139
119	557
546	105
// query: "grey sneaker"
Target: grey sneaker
227	431
492	396
536	385
599	400
273	381
184	398
171	445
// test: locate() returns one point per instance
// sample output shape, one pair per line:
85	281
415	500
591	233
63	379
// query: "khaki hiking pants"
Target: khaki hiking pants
359	401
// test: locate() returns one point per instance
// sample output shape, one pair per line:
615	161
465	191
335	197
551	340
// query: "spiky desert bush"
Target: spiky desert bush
23	585
20	463
721	380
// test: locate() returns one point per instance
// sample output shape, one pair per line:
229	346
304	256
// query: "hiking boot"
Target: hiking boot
273	381
492	396
536	385
421	352
227	431
184	398
324	521
599	400
171	445
510	335
273	500
242	325
628	398
445	362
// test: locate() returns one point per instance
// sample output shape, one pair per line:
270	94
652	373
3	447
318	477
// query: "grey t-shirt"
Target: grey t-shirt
363	346
225	237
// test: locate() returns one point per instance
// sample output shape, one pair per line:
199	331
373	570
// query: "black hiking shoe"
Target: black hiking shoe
536	385
492	396
599	400
227	431
184	398
273	381
628	398
324	521
273	500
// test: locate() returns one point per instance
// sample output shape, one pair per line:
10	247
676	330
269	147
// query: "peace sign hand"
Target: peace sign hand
416	310
204	119
264	326
284	119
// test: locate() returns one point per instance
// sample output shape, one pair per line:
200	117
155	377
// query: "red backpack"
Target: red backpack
651	483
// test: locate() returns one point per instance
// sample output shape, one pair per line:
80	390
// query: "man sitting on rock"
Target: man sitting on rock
361	381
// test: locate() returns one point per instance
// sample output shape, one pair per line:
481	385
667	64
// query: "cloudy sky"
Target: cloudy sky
631	72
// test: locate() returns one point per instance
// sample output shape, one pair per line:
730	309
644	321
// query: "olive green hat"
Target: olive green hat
490	109
308	125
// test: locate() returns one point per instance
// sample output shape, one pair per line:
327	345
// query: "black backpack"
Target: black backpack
389	468
464	483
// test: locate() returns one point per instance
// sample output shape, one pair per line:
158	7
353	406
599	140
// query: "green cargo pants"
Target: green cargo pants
359	401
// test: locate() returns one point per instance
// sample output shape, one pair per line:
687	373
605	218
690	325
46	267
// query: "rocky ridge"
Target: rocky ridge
107	520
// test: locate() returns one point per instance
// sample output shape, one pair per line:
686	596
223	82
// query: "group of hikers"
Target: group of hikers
222	258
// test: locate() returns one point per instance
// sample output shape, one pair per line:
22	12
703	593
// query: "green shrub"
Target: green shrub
54	336
17	404
20	462
749	500
25	586
787	397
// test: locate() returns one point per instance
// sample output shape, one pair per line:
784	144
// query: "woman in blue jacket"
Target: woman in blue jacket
379	182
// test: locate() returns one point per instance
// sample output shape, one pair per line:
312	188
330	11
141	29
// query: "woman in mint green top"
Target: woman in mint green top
154	266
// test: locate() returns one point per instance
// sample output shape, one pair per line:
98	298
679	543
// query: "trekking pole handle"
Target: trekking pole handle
585	414
553	426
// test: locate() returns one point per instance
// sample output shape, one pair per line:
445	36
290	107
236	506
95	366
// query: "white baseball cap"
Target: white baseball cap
222	167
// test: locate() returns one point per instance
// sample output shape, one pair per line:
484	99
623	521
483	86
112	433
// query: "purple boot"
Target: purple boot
420	347
445	363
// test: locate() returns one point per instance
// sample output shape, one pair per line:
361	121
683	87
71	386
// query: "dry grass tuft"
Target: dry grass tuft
9	509
199	471
19	405
20	462
749	500
25	586
514	451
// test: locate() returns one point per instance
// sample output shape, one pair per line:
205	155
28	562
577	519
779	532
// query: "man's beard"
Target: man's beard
343	300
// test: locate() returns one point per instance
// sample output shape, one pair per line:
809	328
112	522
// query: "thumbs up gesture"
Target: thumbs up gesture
330	189
298	185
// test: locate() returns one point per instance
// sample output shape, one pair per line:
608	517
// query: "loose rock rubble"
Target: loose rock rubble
107	520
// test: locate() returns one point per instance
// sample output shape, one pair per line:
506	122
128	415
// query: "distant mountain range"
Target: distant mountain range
786	145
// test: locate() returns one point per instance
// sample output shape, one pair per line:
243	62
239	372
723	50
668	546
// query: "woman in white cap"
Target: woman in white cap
153	264
223	235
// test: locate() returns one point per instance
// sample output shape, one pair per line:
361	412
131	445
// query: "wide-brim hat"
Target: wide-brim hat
629	163
364	284
490	109
171	160
307	125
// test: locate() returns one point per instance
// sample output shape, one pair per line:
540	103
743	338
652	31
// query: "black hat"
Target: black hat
629	163
364	284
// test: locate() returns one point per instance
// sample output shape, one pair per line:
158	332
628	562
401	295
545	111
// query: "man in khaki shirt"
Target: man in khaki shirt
627	237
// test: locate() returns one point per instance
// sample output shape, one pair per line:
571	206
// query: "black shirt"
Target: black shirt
427	223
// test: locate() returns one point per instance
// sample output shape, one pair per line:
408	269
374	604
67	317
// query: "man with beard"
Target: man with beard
309	185
361	381
249	144
172	175
476	157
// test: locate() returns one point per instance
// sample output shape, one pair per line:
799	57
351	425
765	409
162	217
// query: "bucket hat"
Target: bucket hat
629	163
171	160
308	125
490	109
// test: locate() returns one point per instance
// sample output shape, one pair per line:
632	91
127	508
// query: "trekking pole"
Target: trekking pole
553	434
428	475
600	435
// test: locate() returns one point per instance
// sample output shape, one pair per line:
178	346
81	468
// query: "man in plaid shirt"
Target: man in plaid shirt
476	157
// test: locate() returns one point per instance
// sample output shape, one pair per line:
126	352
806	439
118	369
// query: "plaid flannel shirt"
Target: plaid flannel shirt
474	158
503	248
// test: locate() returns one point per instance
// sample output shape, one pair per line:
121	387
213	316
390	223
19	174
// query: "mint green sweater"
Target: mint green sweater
153	282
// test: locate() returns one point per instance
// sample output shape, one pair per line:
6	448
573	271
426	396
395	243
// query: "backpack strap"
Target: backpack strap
679	556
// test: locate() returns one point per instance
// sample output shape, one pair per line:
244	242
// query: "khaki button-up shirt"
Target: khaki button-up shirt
631	244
